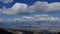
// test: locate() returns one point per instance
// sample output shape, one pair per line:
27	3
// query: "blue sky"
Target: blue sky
28	2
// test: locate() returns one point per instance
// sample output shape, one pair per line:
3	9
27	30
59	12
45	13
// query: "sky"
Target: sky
10	9
29	2
27	12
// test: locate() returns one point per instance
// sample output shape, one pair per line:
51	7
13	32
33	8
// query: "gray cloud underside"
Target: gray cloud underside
37	22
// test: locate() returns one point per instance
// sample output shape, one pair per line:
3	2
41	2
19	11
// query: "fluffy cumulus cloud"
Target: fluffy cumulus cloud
18	8
54	6
40	6
6	1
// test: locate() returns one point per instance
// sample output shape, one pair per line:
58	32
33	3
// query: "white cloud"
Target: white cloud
18	8
32	18
40	6
7	11
54	6
6	1
39	18
45	6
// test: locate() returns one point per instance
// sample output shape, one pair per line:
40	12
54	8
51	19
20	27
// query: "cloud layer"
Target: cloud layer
37	22
31	18
6	1
38	6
